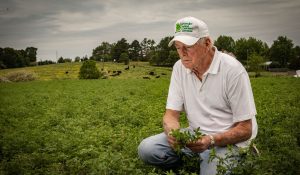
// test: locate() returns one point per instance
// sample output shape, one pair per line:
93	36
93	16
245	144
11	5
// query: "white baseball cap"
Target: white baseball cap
189	30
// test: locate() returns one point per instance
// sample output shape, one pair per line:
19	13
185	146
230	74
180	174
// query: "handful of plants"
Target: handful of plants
183	137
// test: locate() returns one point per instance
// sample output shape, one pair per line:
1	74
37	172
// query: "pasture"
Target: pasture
68	126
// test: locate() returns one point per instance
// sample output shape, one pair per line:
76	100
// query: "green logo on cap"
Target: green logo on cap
184	27
178	27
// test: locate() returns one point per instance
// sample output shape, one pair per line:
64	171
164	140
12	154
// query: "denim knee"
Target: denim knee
155	150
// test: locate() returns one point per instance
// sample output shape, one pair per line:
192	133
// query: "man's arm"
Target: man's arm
171	121
241	131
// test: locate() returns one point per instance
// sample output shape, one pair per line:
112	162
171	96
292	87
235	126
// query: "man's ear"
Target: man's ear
207	42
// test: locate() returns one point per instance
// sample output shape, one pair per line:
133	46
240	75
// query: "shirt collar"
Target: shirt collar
214	66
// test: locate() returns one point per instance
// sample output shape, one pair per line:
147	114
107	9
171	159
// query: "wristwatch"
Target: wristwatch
212	141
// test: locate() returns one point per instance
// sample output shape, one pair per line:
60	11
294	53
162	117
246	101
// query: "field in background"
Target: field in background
137	70
70	126
65	71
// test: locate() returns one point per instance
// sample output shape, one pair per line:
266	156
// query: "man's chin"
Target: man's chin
188	67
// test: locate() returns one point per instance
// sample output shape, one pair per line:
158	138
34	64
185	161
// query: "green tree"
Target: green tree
102	52
77	59
147	45
135	51
11	58
164	51
241	48
255	63
245	47
120	47
60	60
225	43
124	58
281	50
295	60
173	57
89	70
31	53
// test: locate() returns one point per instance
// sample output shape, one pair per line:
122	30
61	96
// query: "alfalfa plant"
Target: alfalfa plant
190	160
183	137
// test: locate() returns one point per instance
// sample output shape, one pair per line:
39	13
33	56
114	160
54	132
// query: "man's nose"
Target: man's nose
183	51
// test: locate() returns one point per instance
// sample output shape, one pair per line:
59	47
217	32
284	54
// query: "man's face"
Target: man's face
191	56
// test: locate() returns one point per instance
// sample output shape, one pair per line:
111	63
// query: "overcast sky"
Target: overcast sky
75	27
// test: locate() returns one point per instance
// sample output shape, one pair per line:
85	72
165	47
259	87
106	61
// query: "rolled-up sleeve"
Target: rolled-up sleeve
175	98
241	98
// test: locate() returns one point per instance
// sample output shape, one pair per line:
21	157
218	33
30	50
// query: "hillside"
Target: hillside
63	71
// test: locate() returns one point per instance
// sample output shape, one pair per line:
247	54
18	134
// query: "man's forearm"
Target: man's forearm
171	120
242	131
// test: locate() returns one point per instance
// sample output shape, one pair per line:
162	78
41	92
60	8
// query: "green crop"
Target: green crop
183	137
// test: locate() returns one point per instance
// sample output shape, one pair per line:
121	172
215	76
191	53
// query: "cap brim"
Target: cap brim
187	40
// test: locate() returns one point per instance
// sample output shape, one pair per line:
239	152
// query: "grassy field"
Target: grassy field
70	126
67	71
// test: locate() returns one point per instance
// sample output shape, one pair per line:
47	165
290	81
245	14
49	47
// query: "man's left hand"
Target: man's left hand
200	145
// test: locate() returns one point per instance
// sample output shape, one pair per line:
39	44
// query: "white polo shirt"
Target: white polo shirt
223	97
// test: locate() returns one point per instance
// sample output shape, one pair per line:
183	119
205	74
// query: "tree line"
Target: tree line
249	51
12	58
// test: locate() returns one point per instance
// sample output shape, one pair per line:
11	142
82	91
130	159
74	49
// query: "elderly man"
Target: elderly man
214	90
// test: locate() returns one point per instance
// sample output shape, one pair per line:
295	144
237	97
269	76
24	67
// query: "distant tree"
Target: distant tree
172	58
255	63
135	50
25	61
102	52
46	62
11	58
67	60
124	58
257	46
120	47
295	60
225	43
77	59
60	60
147	45
245	47
89	70
31	53
164	51
241	48
282	50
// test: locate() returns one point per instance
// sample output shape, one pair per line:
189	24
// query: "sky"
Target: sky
71	28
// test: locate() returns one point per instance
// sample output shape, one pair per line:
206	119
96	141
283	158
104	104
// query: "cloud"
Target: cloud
75	27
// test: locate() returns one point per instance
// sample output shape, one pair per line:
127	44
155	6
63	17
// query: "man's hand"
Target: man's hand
171	140
200	145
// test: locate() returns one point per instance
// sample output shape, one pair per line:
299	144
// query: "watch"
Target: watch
212	141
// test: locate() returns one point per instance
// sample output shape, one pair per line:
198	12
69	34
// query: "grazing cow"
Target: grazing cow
115	74
151	73
146	78
127	68
133	66
157	76
163	74
119	71
67	72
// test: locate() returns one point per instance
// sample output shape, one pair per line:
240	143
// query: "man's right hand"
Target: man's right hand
171	140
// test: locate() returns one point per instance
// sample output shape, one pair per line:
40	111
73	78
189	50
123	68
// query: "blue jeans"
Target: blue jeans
155	150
